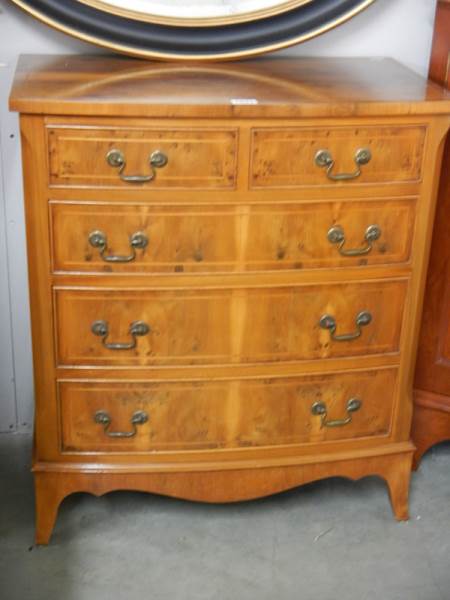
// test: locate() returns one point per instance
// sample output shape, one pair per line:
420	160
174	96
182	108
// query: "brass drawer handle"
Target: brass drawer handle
329	322
116	158
137	328
98	239
325	159
336	235
102	417
320	409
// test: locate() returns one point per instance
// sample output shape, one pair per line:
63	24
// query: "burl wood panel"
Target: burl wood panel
196	158
286	157
224	414
228	325
225	238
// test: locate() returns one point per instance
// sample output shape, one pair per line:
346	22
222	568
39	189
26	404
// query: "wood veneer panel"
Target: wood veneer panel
226	238
227	326
222	414
286	157
282	88
196	158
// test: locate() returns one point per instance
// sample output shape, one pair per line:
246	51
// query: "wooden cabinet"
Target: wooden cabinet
431	423
226	282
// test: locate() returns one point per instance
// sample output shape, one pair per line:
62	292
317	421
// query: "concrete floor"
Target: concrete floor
331	540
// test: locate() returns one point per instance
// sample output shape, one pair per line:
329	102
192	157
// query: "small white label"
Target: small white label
243	101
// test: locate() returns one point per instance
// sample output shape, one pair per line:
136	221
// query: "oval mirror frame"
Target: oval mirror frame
219	37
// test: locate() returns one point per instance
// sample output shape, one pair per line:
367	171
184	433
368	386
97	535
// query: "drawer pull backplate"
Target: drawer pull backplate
102	417
325	159
329	322
137	328
116	158
320	409
336	235
98	239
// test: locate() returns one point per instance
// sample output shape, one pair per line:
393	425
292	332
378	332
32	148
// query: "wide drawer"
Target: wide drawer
289	157
133	157
181	326
140	417
142	238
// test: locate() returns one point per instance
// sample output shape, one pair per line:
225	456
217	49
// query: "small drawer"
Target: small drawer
222	326
297	157
136	158
139	238
148	417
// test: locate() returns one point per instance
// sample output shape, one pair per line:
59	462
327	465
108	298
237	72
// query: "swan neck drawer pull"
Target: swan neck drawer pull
102	417
116	158
98	239
336	235
320	409
329	322
324	159
137	328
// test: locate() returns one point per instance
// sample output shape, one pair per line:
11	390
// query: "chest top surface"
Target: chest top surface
268	87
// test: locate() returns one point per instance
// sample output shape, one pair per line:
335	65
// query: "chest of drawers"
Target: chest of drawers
226	272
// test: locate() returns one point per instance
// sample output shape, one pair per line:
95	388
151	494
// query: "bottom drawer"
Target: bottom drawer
144	417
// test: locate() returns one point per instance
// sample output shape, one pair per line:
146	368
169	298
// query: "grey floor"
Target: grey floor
331	540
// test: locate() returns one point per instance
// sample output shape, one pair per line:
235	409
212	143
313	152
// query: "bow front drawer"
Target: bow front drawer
296	157
140	417
142	238
142	157
222	326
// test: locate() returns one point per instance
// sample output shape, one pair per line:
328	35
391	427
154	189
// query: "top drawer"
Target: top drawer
296	157
142	157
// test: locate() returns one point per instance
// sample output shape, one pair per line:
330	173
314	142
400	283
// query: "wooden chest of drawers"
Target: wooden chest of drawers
226	272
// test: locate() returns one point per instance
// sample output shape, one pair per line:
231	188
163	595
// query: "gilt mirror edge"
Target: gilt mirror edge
147	40
213	12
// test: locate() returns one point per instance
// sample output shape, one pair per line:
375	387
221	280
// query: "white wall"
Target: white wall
398	28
